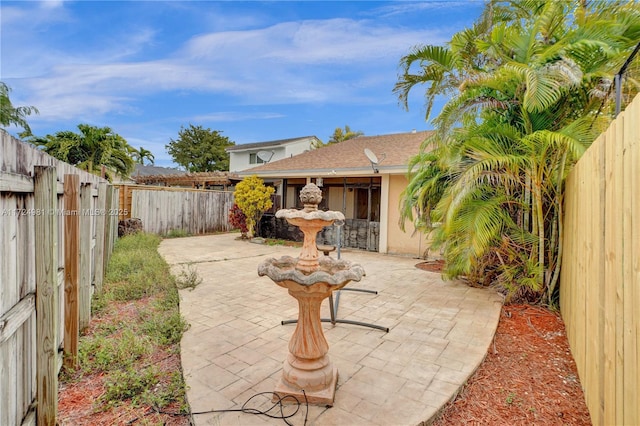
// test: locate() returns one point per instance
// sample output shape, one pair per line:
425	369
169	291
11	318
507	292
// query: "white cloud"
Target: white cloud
332	41
301	62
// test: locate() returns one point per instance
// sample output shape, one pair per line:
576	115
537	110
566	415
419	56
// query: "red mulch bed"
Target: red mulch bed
528	376
431	265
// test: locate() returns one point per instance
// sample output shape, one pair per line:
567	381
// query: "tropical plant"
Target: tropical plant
524	87
141	154
90	150
339	135
10	115
253	198
200	150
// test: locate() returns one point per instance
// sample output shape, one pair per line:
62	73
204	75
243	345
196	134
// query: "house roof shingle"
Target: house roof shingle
397	149
140	170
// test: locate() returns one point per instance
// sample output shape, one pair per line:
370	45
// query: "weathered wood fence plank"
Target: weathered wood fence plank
46	228
86	217
101	240
71	267
13	320
109	224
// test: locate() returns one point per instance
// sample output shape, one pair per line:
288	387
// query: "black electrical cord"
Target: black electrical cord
248	410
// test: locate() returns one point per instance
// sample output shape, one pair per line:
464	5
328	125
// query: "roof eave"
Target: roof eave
325	172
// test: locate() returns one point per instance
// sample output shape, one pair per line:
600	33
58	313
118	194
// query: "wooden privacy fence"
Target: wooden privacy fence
194	211
57	229
600	281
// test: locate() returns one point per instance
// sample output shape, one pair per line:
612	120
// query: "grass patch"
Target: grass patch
133	341
165	329
129	384
280	242
177	233
98	353
136	270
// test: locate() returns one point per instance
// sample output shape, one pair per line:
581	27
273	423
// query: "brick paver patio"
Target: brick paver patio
439	333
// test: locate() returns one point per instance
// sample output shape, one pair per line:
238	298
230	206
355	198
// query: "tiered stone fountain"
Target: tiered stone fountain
310	279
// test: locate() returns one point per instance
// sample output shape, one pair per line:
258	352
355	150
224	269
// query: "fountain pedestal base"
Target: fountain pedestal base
319	384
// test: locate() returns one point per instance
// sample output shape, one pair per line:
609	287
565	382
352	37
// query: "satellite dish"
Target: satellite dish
374	159
265	155
371	156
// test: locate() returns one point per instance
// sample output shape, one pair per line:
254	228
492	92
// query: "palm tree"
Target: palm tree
340	135
89	150
14	115
139	155
523	86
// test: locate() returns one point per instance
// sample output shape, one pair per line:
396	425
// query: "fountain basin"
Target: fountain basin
335	273
295	217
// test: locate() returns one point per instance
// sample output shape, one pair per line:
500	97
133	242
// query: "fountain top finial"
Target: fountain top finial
310	196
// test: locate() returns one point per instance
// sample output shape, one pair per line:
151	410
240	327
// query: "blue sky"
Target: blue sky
255	71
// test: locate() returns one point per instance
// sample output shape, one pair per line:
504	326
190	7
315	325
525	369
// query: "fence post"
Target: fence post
46	253
116	219
71	264
85	254
109	225
101	237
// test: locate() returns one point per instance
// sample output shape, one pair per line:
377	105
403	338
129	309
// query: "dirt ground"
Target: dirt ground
528	377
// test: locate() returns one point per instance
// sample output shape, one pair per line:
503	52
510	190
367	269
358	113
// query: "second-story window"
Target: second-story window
254	159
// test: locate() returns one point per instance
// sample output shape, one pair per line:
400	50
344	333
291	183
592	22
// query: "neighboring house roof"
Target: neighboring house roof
267	144
348	156
141	170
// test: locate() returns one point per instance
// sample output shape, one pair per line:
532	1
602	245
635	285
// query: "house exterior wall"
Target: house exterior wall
384	236
239	160
398	241
297	147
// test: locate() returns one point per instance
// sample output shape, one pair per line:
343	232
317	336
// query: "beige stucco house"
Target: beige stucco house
367	193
